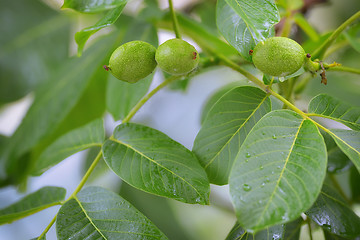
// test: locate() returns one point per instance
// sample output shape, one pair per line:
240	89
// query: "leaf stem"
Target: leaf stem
344	69
147	97
47	228
86	176
319	52
174	20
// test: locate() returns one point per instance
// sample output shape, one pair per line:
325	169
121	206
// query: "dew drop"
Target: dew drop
246	187
279	167
267	179
274	137
248	155
263	184
272	172
261	167
246	160
263	133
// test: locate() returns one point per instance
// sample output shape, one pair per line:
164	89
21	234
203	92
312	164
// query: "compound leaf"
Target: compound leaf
326	106
88	136
41	199
91	6
332	213
151	161
225	128
244	23
97	213
279	170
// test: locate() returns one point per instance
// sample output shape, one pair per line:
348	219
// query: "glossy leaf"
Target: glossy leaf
349	142
272	233
151	161
337	160
121	96
90	6
41	199
225	129
90	135
53	102
30	30
108	19
244	23
329	236
326	106
97	213
279	170
332	213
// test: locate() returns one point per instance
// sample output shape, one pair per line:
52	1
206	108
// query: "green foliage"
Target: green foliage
98	213
241	24
273	154
149	160
41	199
326	106
275	173
91	6
331	212
77	140
225	129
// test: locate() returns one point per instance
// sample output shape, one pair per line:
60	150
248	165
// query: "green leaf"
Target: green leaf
41	199
353	36
329	236
53	102
108	19
91	6
121	96
159	210
354	184
279	170
292	229
244	23
349	142
97	213
151	161
215	97
34	41
90	135
225	129
326	106
337	160
208	42
332	213
272	233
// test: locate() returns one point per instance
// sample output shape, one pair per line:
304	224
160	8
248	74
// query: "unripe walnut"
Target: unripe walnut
177	57
132	61
278	56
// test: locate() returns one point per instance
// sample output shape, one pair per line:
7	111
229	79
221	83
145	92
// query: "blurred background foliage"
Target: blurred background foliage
37	49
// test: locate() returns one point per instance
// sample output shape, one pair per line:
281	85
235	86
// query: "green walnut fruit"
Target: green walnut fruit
278	56
177	57
132	61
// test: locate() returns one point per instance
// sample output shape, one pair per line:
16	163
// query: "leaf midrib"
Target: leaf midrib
281	173
153	161
88	217
240	127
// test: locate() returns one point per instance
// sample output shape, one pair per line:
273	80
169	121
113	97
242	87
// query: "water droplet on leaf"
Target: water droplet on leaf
246	187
